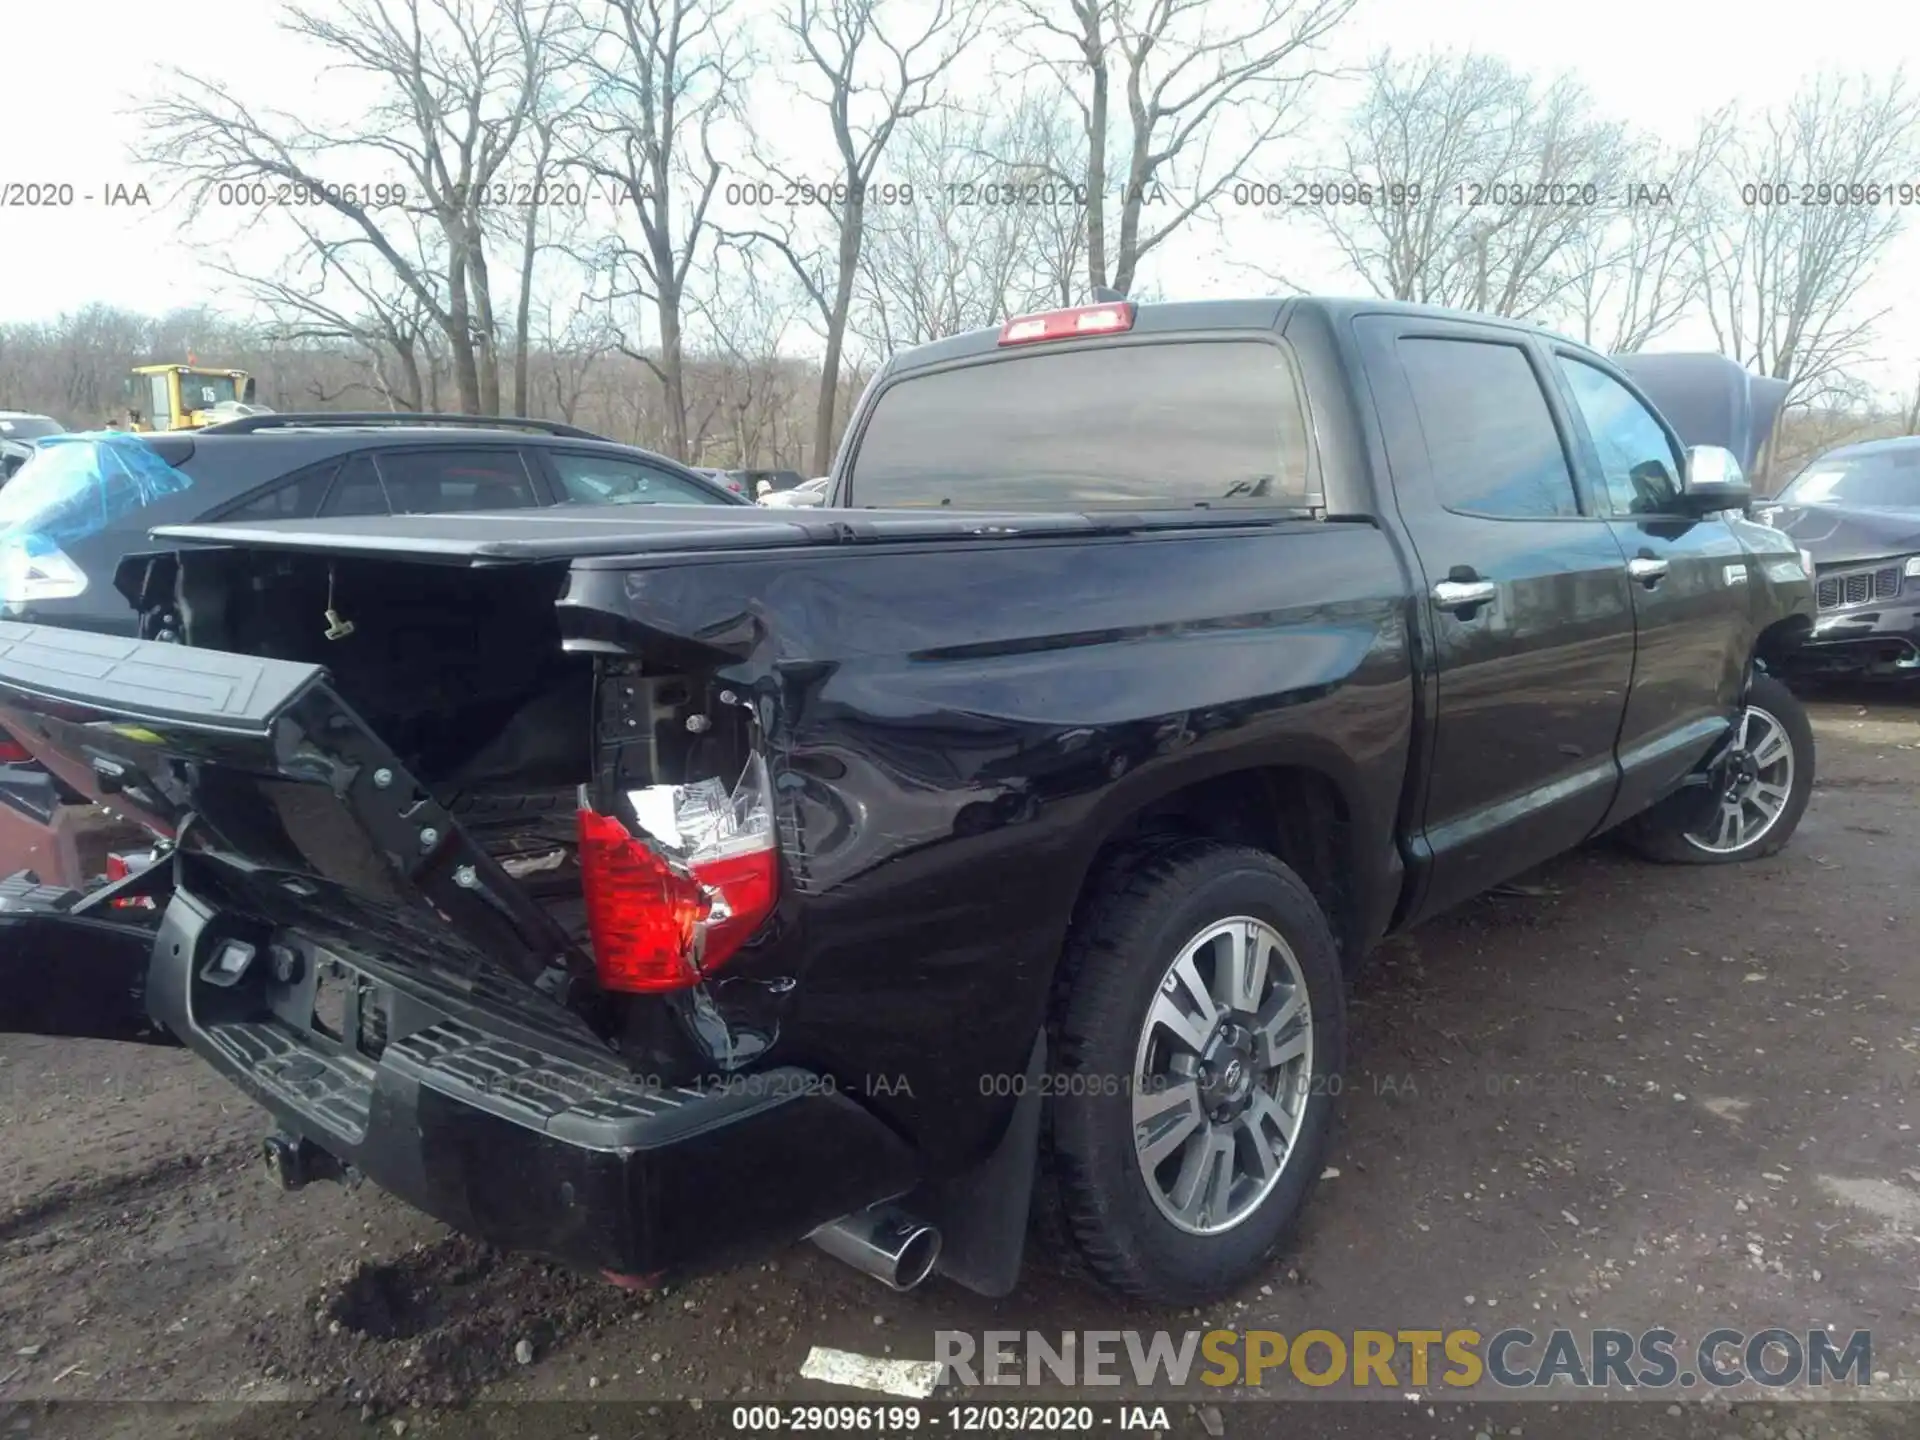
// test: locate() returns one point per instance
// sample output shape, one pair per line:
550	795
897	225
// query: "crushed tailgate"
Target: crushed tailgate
260	768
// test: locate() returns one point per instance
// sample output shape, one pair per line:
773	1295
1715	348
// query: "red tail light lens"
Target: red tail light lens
666	907
12	752
119	867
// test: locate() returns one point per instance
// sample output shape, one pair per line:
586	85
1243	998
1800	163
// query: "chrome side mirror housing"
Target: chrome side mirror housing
1715	481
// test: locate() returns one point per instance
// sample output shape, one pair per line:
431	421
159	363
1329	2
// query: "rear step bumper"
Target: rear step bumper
533	1150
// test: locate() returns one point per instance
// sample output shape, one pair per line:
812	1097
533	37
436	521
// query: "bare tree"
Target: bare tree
341	290
456	81
549	44
662	77
749	312
1637	272
571	354
1045	147
1474	187
1203	89
1796	234
973	251
873	65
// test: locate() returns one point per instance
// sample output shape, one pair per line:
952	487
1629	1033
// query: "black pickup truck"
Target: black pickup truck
982	852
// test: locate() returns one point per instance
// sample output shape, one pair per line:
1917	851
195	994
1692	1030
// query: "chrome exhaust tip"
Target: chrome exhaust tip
887	1243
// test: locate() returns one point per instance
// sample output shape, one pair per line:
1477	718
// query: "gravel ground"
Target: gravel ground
1640	1096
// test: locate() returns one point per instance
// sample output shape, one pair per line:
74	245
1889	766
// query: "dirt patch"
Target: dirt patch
435	1324
74	1206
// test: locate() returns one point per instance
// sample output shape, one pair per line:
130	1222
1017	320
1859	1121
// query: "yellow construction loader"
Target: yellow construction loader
185	397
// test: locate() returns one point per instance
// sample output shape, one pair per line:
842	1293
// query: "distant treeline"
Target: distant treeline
749	412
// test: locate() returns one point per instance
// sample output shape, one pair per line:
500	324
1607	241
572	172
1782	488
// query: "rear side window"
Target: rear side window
1490	437
357	490
430	482
609	480
1136	426
295	498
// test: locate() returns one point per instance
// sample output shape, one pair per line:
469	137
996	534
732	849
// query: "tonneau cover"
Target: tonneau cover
570	532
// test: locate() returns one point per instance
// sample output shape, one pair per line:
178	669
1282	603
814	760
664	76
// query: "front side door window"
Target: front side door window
1638	461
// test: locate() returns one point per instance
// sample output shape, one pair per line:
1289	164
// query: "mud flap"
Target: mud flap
72	975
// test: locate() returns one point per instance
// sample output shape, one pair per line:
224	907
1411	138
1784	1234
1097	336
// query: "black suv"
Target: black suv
86	500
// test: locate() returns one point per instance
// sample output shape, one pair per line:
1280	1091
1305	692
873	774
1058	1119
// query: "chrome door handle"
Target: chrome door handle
1458	595
1647	572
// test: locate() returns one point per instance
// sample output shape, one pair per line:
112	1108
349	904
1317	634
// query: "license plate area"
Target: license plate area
341	1010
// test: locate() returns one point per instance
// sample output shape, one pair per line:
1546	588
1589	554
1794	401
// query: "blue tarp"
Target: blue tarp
77	485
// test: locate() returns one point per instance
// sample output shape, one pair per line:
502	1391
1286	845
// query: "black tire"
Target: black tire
1131	929
1661	834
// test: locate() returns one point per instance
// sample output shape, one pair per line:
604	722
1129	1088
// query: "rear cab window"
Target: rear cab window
1140	424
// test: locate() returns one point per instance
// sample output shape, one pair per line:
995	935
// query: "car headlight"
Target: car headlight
1913	566
1806	562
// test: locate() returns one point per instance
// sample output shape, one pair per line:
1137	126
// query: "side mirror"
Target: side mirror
246	395
1715	481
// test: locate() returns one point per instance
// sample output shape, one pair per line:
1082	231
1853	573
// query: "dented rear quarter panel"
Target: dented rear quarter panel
955	731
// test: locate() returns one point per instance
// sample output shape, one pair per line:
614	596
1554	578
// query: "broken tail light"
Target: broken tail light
672	903
122	864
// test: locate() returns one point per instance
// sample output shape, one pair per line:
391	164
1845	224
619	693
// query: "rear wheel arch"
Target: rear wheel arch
1298	813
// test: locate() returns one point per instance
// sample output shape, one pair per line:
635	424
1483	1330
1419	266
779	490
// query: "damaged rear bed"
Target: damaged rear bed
399	768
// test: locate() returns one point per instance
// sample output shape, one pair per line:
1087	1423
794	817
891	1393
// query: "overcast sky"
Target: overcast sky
1660	63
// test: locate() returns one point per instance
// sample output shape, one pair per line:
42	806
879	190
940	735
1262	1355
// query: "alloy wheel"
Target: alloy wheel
1221	1075
1755	781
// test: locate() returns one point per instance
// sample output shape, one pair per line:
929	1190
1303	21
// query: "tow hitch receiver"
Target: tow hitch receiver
295	1162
